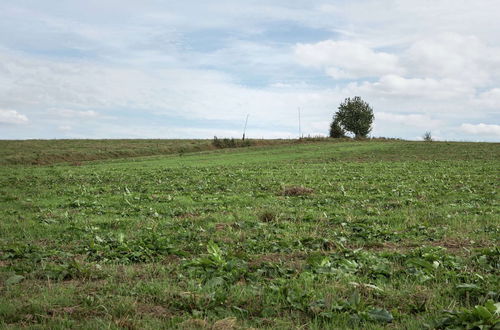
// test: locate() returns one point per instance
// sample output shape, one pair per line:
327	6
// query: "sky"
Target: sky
196	69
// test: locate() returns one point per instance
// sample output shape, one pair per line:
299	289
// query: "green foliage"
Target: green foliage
76	152
353	115
358	310
427	136
230	143
216	265
336	131
485	316
488	258
111	248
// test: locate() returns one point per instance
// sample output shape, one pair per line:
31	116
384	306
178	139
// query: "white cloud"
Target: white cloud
490	99
412	120
12	117
58	89
394	85
68	113
446	67
64	128
454	56
346	59
481	129
400	23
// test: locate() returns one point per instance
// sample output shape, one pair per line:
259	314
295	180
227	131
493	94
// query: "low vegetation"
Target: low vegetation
74	152
230	143
358	234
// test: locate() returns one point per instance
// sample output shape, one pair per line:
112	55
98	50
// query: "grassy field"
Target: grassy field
46	152
366	235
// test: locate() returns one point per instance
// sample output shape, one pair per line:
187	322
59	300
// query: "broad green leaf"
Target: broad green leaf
492	307
483	312
14	279
380	315
422	263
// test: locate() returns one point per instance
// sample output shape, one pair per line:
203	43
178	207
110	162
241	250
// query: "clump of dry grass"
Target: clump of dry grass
296	191
268	216
194	324
225	324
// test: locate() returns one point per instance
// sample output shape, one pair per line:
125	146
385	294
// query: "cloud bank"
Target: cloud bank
189	69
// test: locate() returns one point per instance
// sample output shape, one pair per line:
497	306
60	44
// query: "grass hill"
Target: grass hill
45	152
374	234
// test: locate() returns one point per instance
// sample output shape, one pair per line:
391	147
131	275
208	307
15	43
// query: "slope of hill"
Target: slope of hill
317	235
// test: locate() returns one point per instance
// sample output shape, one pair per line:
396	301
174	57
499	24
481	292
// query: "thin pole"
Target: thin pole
300	129
245	129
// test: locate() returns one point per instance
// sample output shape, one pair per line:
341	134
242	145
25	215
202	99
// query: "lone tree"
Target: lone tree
355	116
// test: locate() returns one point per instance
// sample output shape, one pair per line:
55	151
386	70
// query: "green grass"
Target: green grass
45	152
391	235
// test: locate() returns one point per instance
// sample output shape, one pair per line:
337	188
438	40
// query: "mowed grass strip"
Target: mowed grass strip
382	235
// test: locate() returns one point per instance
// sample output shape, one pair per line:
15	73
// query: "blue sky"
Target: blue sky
193	69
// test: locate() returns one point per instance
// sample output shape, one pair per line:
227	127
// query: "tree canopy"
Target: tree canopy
353	115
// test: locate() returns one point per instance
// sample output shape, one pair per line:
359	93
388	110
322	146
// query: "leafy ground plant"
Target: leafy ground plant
485	316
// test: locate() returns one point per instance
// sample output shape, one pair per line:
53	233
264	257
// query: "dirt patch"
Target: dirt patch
296	191
188	215
223	226
292	258
267	216
170	259
458	244
64	311
154	310
385	246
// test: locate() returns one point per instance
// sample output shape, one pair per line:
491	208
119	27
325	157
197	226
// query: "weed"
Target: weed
485	316
216	264
111	248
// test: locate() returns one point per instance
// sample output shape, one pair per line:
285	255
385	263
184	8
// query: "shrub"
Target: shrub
230	143
336	131
427	136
